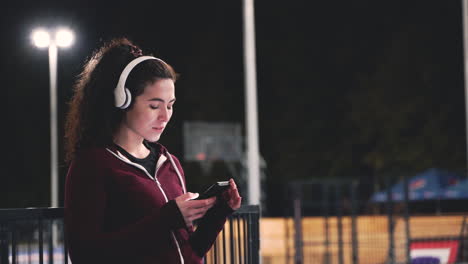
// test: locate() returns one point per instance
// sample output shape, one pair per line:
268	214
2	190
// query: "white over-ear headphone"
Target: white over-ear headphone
122	94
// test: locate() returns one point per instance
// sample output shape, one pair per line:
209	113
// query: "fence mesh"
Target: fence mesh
335	221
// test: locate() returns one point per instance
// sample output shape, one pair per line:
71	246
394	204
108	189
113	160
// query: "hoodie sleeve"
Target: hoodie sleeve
210	225
85	200
203	238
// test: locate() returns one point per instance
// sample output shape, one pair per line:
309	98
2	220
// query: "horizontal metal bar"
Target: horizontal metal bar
247	209
18	214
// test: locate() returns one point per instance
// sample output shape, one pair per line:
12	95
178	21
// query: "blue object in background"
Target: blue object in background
427	185
425	260
457	191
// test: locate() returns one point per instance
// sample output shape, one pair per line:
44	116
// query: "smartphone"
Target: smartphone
214	190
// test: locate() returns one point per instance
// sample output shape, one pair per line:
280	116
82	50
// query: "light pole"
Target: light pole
465	53
52	39
251	111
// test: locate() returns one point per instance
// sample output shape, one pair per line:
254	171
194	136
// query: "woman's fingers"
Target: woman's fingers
195	214
193	209
202	203
232	196
233	184
186	197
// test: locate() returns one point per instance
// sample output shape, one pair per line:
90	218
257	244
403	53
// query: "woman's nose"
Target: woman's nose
163	114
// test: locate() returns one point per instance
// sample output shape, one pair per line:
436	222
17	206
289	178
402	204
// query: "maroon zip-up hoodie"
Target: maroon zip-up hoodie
115	212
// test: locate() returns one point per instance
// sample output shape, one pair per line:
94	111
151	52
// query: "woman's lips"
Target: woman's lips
158	128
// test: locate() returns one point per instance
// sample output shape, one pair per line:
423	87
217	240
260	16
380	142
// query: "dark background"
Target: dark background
345	88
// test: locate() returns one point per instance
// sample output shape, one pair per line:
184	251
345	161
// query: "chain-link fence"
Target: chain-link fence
341	221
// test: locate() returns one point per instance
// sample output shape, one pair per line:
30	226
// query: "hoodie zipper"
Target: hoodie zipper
155	179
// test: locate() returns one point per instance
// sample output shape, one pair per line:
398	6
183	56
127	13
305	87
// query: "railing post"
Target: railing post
246	239
298	239
3	244
256	233
14	244
391	240
41	240
51	241
339	218
231	240
239	235
325	204
406	217
65	245
353	222
224	246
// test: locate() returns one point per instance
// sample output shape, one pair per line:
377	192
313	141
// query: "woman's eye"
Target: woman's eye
154	107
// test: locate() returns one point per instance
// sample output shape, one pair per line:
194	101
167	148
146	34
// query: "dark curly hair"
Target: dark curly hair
92	118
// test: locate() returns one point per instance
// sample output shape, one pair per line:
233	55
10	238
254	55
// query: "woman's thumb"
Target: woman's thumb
190	196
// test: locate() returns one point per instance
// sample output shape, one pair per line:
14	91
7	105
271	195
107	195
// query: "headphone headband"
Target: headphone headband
122	95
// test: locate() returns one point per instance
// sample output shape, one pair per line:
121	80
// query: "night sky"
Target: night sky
339	82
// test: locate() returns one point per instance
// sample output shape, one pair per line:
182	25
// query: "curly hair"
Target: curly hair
92	118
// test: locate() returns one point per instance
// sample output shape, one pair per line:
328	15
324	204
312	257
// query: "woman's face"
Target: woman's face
151	111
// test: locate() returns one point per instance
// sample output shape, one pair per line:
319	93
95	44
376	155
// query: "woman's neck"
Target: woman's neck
131	142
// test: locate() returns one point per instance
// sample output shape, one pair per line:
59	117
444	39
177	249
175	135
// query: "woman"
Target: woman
125	196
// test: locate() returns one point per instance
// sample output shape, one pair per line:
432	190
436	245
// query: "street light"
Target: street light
52	39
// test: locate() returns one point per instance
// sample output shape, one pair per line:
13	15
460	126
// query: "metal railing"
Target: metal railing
239	241
26	235
36	235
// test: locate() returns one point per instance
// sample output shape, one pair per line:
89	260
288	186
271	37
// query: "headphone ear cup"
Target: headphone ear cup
128	98
122	95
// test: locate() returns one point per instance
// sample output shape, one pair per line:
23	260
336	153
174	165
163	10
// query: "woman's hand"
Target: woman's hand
232	196
193	209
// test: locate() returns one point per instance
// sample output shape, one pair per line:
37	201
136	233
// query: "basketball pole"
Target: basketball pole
465	62
250	83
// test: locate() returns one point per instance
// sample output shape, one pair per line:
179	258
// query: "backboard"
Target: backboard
204	141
